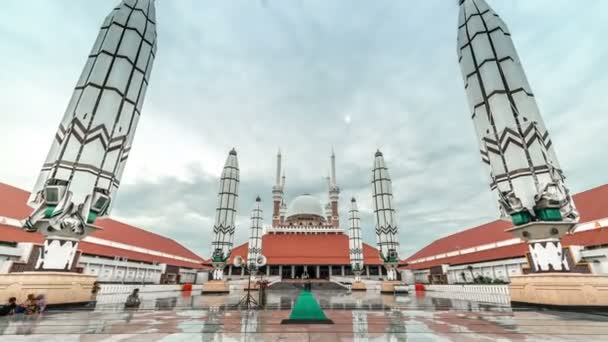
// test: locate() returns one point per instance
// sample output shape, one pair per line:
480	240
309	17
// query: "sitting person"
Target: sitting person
9	309
40	303
133	301
30	305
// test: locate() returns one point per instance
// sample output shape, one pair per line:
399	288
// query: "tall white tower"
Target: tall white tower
386	224
223	230
254	250
277	192
355	245
88	154
334	193
513	140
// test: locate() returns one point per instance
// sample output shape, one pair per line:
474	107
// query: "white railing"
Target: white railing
128	288
472	297
273	280
341	279
478	289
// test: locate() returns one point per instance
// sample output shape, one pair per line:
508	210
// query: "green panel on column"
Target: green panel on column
521	218
549	214
307	311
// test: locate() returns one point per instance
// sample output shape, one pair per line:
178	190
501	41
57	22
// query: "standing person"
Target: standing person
95	289
133	301
40	303
9	309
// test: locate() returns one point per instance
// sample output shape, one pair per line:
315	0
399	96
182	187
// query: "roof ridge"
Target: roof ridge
590	189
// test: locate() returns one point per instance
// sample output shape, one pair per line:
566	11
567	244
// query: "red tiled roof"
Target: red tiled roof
95	249
13	202
299	249
13	205
14	234
481	235
592	205
505	252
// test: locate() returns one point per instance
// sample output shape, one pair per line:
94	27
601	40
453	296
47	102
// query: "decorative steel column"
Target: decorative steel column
255	259
355	246
223	230
83	168
514	142
386	223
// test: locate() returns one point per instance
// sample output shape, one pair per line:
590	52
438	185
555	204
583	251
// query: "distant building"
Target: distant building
489	251
117	253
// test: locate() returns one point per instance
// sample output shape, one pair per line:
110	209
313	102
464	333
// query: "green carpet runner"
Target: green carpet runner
307	311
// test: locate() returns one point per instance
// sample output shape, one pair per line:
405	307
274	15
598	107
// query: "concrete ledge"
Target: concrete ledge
560	289
358	286
388	286
216	286
58	287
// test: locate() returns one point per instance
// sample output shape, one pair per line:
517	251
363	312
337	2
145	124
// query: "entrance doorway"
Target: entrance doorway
323	272
302	270
286	273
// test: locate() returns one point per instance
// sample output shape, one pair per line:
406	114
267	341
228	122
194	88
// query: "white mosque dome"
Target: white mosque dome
305	205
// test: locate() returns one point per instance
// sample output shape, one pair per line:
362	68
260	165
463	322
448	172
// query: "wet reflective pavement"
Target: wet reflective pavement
357	316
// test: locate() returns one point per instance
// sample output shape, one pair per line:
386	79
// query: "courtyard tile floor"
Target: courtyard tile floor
357	317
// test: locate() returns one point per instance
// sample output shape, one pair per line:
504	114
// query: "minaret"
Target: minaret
254	251
386	224
277	193
223	229
283	212
83	168
355	246
328	213
334	193
514	142
327	208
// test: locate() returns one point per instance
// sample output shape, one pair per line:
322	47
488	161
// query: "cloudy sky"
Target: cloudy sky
306	76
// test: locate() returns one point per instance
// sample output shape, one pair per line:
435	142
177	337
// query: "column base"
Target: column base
560	290
58	287
388	286
216	287
358	286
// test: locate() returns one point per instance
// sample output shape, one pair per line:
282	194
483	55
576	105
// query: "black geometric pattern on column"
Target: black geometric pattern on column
514	142
223	230
382	196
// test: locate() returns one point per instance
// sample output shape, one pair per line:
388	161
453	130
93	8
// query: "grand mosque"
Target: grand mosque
63	225
307	239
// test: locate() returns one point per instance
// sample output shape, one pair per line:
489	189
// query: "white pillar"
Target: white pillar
281	271
343	270
293	271
330	268
367	271
230	271
268	270
318	271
